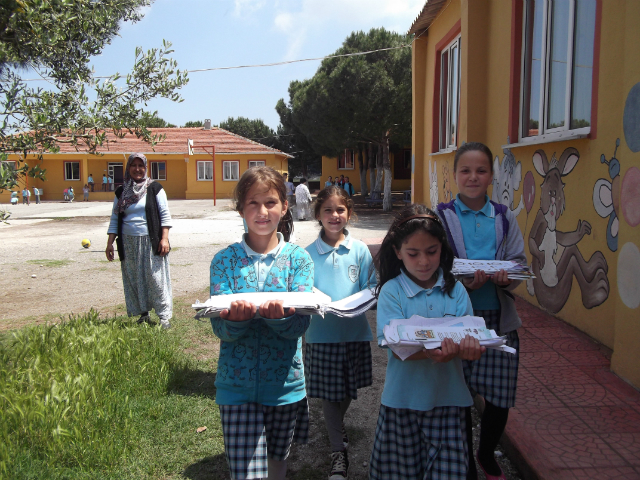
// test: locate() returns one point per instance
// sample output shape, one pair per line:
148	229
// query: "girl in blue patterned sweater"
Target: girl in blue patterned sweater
260	380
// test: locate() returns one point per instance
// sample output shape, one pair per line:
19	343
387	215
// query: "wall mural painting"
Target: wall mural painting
506	179
446	185
433	185
606	196
556	256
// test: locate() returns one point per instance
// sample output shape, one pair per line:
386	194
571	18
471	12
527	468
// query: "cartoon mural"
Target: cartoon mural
446	186
433	185
606	196
506	179
556	256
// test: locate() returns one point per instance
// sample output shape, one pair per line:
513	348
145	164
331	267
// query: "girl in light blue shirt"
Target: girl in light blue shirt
338	351
421	426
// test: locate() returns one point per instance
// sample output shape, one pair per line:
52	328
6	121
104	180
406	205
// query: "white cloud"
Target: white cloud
247	7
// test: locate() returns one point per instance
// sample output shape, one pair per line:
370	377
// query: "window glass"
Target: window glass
558	64
533	67
256	163
72	170
205	170
444	97
453	92
230	171
158	171
585	26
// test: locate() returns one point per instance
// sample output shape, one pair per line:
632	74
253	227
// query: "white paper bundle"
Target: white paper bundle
408	336
305	303
463	267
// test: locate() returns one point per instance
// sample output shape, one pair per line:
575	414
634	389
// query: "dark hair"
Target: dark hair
271	179
329	192
471	147
303	180
285	174
389	266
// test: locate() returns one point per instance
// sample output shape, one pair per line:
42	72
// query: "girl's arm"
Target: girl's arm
227	330
367	273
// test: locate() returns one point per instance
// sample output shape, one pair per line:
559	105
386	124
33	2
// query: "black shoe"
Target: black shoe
339	466
144	318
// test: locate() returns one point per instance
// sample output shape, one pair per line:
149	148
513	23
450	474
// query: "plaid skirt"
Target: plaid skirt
334	371
495	375
415	445
146	278
252	432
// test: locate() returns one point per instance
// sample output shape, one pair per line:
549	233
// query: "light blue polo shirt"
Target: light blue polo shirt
340	272
262	261
422	384
479	235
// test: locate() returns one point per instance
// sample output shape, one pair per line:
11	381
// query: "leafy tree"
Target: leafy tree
194	124
152	120
255	130
306	161
358	99
55	39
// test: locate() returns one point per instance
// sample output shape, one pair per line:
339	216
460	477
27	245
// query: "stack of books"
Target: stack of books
305	303
408	336
463	267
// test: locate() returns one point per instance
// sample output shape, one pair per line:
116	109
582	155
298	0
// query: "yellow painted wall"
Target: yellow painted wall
484	110
330	167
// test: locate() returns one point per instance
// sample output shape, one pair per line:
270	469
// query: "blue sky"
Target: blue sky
221	33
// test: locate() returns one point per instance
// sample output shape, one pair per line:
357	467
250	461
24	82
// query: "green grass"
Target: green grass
93	398
50	263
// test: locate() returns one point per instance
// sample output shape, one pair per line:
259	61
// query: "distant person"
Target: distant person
340	182
36	193
140	223
85	192
104	182
348	187
110	183
329	182
290	190
65	194
14	198
90	181
303	200
26	196
71	194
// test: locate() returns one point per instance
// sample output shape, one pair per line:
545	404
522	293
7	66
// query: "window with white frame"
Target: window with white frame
205	170
346	160
230	171
256	163
449	95
557	70
72	170
158	170
12	164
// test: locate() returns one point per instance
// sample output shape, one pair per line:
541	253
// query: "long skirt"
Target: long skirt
146	278
303	209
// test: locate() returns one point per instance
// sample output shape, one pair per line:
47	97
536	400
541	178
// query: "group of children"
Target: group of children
342	182
423	429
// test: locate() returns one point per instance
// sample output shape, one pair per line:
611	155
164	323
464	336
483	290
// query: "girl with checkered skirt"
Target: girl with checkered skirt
338	353
480	229
260	380
420	433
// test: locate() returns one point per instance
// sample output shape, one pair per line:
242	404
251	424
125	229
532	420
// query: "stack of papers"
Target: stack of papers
408	336
305	303
463	267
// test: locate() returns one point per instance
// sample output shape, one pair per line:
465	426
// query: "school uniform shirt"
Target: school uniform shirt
328	184
479	236
339	273
422	384
348	187
262	261
260	359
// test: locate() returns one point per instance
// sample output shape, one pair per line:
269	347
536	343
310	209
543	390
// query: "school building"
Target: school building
553	88
347	164
184	163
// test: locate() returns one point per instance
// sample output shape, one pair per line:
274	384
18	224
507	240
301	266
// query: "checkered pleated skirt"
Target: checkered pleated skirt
146	278
334	371
495	375
415	445
252	432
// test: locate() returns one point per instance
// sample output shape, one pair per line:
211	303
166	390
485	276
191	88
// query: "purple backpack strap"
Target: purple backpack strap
441	208
502	211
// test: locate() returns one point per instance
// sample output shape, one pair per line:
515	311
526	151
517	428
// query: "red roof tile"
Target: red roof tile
176	142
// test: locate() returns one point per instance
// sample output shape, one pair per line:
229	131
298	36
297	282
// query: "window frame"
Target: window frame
449	146
563	132
260	163
151	165
205	163
66	179
224	172
342	158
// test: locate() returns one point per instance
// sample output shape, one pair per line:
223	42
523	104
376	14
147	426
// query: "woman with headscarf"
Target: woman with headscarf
140	224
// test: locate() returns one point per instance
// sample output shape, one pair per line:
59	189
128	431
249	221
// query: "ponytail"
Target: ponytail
285	227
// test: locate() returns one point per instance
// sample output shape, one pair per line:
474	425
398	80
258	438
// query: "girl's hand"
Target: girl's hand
109	252
163	247
239	311
470	348
479	279
447	351
500	278
274	309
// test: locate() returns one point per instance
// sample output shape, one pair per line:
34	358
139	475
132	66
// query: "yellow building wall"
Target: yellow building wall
330	167
598	289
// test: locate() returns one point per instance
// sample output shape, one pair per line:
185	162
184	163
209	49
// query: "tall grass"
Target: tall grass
65	391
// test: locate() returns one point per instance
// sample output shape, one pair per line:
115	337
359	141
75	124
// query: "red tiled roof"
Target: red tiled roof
176	142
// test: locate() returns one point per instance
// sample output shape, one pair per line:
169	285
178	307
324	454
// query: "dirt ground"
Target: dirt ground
46	274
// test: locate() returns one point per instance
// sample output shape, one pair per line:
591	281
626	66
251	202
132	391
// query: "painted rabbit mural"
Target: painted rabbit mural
606	195
556	256
506	179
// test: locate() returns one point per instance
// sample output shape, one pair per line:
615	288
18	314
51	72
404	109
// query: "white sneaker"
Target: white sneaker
339	466
165	324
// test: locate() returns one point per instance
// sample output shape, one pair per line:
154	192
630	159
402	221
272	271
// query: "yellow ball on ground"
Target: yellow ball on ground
86	243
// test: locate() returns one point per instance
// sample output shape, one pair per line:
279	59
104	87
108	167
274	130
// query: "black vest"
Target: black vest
153	219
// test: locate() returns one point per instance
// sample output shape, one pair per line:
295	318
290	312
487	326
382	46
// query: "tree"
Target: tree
152	120
359	99
255	130
55	40
194	124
